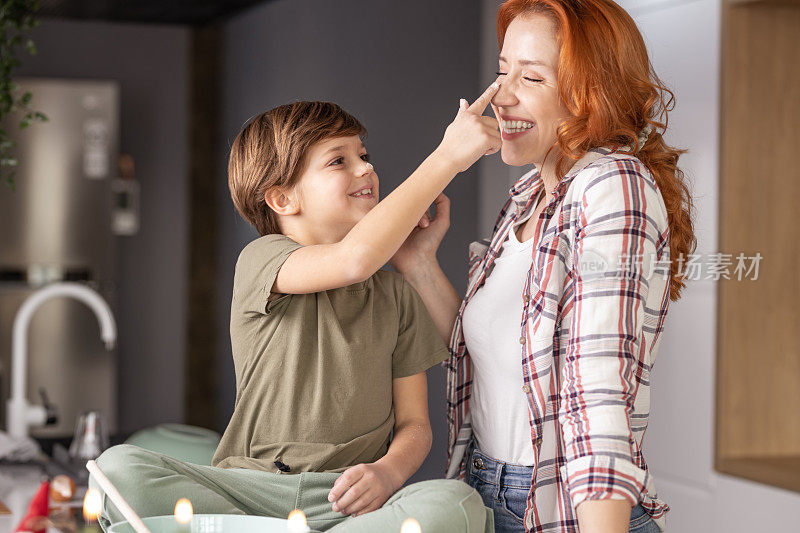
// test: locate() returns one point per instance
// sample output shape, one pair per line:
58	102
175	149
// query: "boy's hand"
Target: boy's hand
362	488
471	135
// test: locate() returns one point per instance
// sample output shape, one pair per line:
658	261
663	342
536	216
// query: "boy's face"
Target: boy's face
337	188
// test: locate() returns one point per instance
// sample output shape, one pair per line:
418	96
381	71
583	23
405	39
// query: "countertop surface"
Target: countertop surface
18	484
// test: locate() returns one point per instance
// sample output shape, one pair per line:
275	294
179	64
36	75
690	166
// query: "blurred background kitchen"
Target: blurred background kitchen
123	190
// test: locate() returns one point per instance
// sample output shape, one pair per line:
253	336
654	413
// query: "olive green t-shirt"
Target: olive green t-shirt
314	371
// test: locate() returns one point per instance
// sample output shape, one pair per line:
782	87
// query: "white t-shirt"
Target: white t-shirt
492	322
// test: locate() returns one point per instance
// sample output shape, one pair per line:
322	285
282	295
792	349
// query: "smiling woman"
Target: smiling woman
548	383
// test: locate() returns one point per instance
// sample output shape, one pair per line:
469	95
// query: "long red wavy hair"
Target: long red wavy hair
606	80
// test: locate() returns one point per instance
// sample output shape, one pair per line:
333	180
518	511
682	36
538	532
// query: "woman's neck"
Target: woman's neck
547	171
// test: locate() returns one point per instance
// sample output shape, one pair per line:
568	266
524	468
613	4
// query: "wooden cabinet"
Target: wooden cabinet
758	344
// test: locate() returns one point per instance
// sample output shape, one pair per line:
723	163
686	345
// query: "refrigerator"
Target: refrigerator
57	225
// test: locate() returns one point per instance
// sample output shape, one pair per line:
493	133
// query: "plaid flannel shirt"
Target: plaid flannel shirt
595	300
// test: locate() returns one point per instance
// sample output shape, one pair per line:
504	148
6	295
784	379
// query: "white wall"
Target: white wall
683	37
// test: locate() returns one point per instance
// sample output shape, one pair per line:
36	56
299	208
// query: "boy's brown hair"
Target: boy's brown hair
270	152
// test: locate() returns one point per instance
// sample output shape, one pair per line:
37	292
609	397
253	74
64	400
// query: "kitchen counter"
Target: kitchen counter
19	483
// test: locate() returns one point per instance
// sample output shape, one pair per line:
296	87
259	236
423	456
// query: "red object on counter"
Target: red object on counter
37	511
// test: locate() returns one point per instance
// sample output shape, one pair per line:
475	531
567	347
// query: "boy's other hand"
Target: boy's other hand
362	488
471	135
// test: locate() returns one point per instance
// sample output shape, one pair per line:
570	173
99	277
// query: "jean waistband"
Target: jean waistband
491	470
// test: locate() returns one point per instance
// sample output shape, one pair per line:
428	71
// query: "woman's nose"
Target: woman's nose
504	97
367	168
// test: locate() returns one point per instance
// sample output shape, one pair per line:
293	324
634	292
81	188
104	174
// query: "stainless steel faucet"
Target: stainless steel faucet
20	414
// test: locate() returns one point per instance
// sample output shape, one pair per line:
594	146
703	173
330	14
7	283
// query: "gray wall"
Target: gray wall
495	178
400	67
150	65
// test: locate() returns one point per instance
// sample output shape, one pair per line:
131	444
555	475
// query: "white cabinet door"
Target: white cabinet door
635	7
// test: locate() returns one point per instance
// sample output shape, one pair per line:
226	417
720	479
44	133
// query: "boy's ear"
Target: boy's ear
281	201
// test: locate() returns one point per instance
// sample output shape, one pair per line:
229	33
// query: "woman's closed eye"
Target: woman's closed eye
536	80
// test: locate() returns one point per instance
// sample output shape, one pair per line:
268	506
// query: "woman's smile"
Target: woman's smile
514	127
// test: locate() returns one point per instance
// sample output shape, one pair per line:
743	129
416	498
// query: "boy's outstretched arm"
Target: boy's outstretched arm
366	487
381	232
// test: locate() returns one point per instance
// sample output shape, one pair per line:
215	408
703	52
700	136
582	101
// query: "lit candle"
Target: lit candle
183	515
297	523
410	525
92	506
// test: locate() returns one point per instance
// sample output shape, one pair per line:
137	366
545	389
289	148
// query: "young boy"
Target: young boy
330	352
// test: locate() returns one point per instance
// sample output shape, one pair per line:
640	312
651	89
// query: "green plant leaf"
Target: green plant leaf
17	18
10	182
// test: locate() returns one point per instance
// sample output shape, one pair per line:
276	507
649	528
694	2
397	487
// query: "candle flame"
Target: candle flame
183	511
92	505
297	521
410	525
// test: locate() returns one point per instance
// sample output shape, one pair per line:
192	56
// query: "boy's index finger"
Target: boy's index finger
496	113
480	104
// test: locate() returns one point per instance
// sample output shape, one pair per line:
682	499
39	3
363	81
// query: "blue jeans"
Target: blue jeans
504	488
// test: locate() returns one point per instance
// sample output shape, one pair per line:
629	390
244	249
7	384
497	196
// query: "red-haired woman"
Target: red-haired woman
552	346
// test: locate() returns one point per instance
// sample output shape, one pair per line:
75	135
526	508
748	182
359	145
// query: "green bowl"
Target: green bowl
208	523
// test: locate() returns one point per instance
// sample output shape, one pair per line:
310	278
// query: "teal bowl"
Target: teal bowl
208	523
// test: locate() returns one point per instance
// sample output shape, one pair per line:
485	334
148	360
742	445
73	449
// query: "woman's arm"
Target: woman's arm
438	294
379	234
366	487
416	261
604	516
620	221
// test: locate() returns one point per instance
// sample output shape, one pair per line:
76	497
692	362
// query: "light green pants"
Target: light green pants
151	483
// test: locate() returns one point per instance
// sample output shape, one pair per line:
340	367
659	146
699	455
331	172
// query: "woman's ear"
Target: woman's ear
281	201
